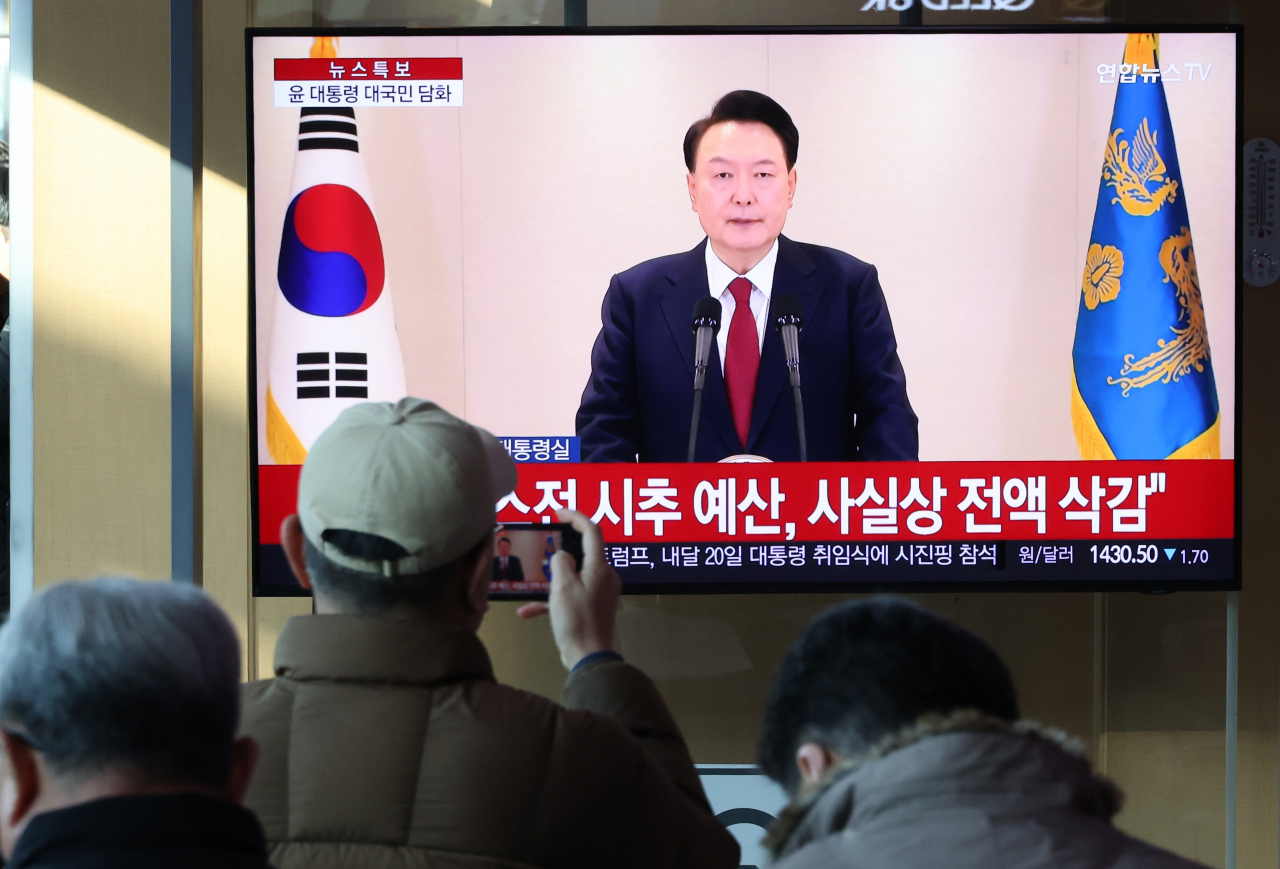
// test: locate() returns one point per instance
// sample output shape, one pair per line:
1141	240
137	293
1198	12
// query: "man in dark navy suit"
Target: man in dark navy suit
505	565
639	400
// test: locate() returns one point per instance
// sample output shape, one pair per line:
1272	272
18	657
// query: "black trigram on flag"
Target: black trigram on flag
328	129
350	373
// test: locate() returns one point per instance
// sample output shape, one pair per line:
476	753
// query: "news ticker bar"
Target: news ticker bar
875	562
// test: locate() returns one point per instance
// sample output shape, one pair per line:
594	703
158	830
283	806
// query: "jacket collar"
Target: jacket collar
687	273
1018	765
351	648
153	823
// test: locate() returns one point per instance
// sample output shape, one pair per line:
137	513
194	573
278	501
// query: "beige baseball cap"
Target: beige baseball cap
410	472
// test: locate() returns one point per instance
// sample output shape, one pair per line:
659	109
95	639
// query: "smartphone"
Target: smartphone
522	557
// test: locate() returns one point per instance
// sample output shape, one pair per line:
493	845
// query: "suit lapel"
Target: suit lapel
794	274
688	278
715	400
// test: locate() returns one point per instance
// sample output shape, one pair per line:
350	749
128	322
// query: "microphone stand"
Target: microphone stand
706	323
693	426
790	332
705	334
795	393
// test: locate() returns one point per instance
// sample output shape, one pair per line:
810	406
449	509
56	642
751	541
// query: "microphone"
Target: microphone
788	322
706	324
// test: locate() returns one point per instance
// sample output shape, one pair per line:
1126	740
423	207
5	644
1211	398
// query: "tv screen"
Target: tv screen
778	310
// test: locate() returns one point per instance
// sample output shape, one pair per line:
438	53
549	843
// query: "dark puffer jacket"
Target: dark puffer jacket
155	831
965	793
387	743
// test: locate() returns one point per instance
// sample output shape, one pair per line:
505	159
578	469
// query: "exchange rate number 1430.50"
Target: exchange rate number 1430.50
1118	553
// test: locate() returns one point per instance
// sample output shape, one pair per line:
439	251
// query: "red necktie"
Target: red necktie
742	358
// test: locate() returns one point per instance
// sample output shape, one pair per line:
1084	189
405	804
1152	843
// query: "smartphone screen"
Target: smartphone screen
522	558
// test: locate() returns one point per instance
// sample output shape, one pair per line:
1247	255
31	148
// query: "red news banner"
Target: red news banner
978	501
368	81
742	522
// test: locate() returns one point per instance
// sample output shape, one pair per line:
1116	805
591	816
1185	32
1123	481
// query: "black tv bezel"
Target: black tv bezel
796	587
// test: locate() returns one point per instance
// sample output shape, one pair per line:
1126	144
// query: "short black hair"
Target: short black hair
751	106
373	593
864	670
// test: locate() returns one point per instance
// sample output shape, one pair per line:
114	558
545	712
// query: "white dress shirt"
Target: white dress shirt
719	276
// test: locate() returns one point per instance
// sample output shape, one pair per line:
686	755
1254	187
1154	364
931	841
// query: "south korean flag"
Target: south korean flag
333	334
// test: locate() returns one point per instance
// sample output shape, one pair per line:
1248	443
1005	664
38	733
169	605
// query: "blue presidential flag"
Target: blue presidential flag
1143	378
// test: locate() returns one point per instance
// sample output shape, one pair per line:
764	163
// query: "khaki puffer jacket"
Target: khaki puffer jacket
964	791
387	743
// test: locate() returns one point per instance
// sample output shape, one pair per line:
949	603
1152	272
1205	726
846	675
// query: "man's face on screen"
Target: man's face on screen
741	189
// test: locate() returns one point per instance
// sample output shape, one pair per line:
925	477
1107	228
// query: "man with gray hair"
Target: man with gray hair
386	740
119	701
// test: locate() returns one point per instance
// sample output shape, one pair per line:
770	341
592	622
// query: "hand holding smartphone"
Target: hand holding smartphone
583	599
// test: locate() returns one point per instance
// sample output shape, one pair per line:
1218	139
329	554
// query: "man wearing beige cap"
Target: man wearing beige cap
385	740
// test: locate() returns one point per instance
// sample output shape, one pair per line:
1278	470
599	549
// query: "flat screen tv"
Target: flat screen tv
963	304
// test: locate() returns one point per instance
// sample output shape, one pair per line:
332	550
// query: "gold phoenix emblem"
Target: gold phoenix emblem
1132	167
1190	348
1102	270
